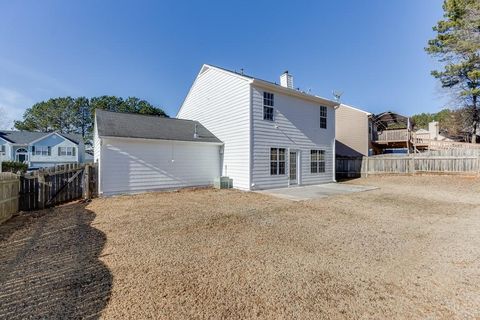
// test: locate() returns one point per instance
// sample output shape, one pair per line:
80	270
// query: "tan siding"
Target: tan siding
351	132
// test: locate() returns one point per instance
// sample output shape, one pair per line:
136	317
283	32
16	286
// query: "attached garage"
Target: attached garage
139	153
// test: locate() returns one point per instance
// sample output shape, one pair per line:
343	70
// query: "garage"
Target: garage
140	153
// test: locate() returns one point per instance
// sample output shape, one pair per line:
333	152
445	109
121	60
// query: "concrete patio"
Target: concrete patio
300	193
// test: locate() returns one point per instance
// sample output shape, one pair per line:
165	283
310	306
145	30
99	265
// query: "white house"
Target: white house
273	135
138	153
40	149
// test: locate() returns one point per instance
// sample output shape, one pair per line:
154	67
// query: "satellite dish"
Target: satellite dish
337	95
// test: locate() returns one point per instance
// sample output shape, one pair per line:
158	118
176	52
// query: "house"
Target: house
139	153
40	149
353	131
274	135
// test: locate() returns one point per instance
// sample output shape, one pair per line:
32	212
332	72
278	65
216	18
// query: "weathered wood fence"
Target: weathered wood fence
49	187
9	189
413	164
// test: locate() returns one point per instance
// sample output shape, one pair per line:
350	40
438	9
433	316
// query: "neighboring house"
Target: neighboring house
139	153
39	149
353	131
433	132
274	135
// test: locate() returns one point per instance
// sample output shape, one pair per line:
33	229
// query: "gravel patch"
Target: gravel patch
408	250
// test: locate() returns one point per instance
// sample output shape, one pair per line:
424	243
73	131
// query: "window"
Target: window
277	161
2	149
66	151
323	117
41	151
268	106
317	161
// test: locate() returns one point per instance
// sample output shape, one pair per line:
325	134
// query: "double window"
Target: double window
323	117
317	161
277	161
41	151
268	106
66	151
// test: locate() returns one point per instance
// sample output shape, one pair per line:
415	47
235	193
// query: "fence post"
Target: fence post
41	190
86	182
364	167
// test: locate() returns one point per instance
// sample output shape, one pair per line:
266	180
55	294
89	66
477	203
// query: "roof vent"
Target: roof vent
286	80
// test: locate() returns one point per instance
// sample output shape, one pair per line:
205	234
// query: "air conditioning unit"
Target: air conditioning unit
223	183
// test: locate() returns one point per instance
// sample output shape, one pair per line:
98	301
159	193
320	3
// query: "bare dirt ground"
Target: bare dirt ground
409	250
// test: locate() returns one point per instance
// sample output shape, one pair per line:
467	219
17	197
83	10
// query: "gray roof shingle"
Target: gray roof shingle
129	125
26	137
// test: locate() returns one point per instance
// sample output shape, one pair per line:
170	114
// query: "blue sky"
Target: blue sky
371	50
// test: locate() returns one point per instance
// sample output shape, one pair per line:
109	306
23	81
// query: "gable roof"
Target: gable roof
27	137
274	86
130	125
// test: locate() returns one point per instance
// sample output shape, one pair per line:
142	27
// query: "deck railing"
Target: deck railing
396	135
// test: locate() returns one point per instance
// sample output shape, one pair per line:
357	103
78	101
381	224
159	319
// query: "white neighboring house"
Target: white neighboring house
138	153
40	149
274	135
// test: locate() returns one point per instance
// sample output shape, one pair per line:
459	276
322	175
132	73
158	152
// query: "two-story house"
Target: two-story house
274	135
39	149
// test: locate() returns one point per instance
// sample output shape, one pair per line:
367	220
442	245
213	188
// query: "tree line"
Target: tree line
76	115
457	47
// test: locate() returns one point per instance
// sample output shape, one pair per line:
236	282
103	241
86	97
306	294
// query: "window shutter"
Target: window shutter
49	151
59	148
33	149
73	151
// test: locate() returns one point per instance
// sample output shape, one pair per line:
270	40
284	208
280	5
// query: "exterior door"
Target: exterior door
293	172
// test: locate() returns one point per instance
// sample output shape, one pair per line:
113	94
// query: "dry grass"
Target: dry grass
408	250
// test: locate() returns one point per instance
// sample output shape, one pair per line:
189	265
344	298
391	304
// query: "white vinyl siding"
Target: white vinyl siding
220	101
295	127
137	165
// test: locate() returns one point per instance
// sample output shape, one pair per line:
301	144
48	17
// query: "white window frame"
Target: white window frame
277	163
42	151
317	161
66	151
3	149
323	117
268	104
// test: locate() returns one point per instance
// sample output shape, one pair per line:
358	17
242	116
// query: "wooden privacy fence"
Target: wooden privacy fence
49	187
9	188
351	168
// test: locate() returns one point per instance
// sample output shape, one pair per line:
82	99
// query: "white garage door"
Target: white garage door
135	165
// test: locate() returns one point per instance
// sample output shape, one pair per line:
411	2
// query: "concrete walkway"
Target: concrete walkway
315	191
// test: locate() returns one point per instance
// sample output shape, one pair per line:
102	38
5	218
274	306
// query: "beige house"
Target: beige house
353	131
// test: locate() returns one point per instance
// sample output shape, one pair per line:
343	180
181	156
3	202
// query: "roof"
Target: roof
354	108
391	120
277	87
130	125
27	137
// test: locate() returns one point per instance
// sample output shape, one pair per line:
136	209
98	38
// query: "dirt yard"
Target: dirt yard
409	250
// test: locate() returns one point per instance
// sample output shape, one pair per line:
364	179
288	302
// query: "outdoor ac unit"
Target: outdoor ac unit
223	183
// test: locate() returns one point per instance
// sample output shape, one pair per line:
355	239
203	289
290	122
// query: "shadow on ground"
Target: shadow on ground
50	267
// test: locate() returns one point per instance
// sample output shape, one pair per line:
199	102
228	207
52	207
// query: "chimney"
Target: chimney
434	130
286	80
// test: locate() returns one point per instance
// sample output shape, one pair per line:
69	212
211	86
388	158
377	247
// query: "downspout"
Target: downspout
250	160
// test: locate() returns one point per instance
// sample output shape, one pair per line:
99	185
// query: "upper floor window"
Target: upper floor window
277	161
66	151
2	149
317	161
323	117
41	151
268	106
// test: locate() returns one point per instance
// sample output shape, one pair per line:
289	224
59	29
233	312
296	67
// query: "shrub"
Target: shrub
13	166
